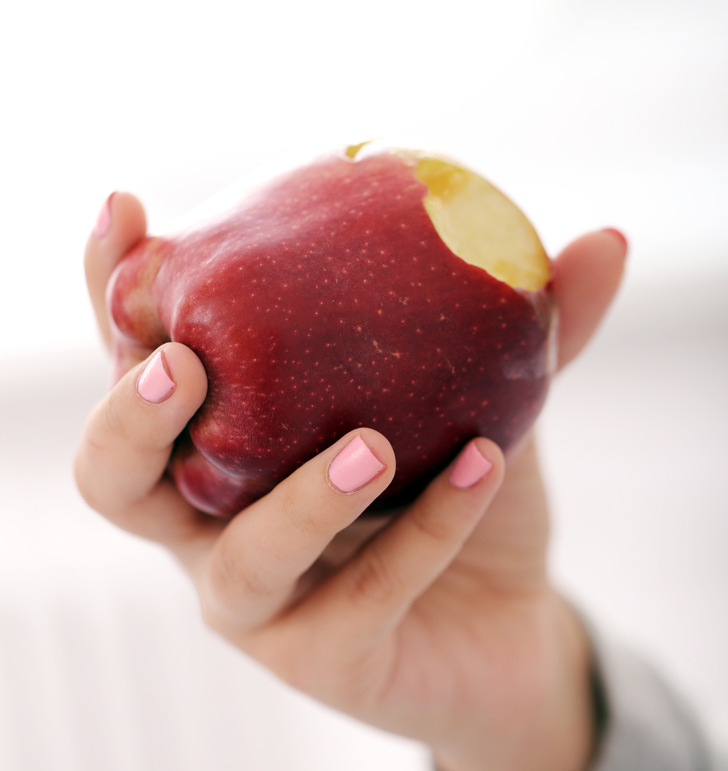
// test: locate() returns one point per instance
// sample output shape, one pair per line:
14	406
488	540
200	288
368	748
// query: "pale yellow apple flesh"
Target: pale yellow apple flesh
482	226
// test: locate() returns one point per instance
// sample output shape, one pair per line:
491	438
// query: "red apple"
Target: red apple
375	287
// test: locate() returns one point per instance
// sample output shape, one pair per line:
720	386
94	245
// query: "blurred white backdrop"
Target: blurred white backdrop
589	114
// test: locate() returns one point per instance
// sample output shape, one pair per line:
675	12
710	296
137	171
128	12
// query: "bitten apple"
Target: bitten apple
374	287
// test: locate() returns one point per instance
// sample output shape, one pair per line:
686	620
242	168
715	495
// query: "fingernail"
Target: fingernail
354	467
470	467
617	234
103	223
155	384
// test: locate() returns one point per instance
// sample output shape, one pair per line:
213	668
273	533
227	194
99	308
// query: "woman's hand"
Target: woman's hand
439	624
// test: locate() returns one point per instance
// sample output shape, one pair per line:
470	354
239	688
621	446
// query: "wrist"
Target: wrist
552	730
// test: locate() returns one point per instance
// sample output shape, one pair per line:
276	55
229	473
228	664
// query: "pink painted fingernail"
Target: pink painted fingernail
155	384
617	234
354	467
103	223
470	467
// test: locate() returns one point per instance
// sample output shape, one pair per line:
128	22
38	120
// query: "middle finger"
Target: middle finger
254	569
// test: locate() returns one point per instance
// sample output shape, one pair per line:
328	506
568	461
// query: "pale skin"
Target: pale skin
440	624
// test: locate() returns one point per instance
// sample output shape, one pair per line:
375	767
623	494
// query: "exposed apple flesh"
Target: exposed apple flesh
386	288
480	225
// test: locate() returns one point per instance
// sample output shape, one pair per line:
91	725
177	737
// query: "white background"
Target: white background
589	114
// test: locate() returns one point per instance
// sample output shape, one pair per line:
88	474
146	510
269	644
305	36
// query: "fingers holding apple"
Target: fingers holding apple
376	287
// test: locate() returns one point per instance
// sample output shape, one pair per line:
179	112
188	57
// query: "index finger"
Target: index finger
121	224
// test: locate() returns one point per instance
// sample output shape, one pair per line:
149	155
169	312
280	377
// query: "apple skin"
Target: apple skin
324	302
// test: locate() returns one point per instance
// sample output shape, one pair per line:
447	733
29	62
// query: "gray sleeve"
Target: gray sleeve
647	724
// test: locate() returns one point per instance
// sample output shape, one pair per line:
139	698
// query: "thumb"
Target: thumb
587	275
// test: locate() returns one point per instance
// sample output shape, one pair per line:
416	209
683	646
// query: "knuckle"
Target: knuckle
302	512
230	580
97	447
114	423
309	521
87	476
374	581
437	528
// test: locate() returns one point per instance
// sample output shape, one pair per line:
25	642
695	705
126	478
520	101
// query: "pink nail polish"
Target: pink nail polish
155	384
354	467
470	467
617	234
103	223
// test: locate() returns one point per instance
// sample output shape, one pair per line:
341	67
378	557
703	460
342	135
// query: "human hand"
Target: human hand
439	624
